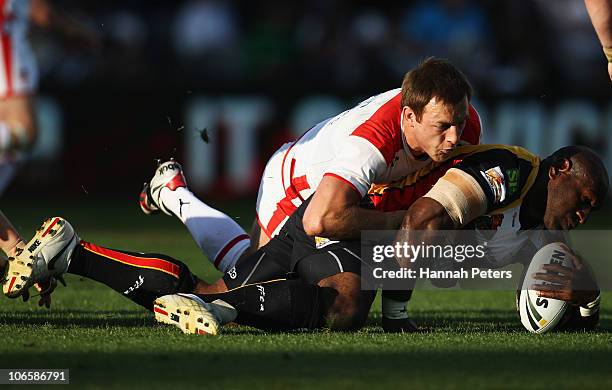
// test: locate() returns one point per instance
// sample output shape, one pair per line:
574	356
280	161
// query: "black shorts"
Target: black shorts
277	260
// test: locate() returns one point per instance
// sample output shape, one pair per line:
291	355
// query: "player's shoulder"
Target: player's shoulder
504	172
379	123
495	152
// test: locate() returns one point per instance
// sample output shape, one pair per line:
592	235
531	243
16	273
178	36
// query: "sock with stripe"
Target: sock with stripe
278	305
141	277
394	303
219	237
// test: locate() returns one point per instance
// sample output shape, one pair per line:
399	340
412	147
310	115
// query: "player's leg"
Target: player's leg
395	315
263	296
259	292
351	305
56	249
270	262
17	135
327	293
17	116
219	237
276	305
10	239
140	277
336	301
338	267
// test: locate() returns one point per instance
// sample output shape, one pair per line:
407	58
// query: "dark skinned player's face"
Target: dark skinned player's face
570	200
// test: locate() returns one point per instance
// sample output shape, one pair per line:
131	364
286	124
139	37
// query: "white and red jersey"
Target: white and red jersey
362	146
18	72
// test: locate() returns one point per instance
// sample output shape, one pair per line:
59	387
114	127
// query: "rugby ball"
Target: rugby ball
540	315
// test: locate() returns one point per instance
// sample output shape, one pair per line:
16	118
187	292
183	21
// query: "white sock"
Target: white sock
220	238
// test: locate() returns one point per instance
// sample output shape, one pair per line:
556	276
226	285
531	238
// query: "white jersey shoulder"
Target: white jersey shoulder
362	146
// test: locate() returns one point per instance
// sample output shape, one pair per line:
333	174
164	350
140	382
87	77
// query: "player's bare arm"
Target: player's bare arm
334	212
600	12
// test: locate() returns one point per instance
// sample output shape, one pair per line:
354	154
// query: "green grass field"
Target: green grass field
469	339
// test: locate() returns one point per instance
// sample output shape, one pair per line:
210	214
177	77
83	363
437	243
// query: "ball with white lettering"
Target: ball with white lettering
538	314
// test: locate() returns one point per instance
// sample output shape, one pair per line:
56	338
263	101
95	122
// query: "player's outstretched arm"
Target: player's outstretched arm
600	12
334	213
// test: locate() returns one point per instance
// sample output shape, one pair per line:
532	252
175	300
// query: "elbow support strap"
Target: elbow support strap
461	196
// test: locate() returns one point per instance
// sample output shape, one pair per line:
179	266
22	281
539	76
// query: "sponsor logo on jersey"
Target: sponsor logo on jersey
495	179
322	242
513	180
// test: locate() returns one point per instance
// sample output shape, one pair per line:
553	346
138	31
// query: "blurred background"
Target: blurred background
256	74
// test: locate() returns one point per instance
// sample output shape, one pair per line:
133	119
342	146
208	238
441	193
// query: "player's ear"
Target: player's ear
559	167
409	115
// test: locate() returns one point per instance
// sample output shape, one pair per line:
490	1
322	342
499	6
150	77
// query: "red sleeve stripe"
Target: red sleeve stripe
229	246
135	261
346	181
383	128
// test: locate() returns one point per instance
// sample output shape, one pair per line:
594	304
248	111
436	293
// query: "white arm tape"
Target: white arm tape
461	196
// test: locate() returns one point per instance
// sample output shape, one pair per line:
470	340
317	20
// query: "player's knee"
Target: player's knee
347	315
347	310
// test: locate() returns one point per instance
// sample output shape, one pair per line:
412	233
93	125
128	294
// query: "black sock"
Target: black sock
138	276
278	305
398	295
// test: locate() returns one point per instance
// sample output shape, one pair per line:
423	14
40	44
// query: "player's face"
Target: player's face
570	202
438	131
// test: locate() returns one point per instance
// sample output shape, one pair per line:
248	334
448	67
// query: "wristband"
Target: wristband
590	308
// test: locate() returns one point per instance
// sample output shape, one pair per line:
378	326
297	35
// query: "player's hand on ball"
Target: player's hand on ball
576	285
